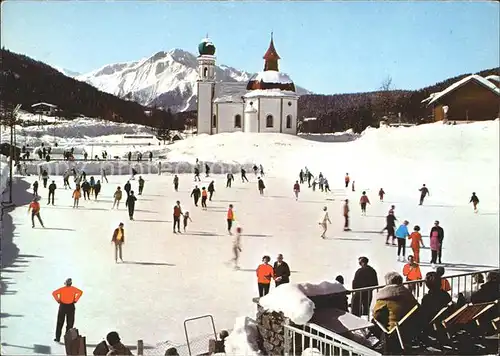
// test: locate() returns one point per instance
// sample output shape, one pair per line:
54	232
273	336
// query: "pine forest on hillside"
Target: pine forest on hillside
26	81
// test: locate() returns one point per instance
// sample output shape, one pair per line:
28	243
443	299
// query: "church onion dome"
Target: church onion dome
271	77
206	47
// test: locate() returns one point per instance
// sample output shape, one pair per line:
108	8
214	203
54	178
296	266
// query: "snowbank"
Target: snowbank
289	299
311	351
243	339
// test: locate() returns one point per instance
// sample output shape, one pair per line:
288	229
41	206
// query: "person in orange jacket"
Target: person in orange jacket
347	179
445	284
416	242
67	297
265	273
412	272
77	194
34	207
230	218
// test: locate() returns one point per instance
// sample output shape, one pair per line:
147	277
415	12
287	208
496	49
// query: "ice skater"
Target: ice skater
97	189
416	242
127	187
141	185
325	218
185	218
103	175
195	194
118	239
159	168
346	215
197	174
211	190
296	189
35	188
475	201
401	234
177	216
204	196
130	204
230	218
236	248
438	232
52	191
352	186
347	179
77	194
34	208
243	176
207	170
261	186
423	193
176	183
66	297
117	197
363	201
229	180
381	194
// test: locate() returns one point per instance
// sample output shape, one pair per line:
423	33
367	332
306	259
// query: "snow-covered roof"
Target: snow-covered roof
271	76
432	95
42	103
493	77
271	93
230	92
229	99
483	81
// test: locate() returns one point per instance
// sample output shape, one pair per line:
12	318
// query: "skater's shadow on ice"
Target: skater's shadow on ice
151	220
494	214
37	349
227	201
202	233
148	263
7	315
366	232
256	235
58	229
146	211
348	239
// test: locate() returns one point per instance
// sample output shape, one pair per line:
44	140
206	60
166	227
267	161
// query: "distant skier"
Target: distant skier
97	189
401	234
117	197
176	183
141	185
363	201
127	187
261	186
77	194
34	208
52	190
381	194
230	218
195	194
474	200
236	248
177	216
207	170
197	174
347	179
230	178
346	215
186	217
130	204
243	176
325	218
211	190
423	193
296	189
204	196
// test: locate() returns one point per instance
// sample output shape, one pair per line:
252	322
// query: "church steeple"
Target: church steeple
271	57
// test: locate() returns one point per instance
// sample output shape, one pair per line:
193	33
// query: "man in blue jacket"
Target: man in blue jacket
401	234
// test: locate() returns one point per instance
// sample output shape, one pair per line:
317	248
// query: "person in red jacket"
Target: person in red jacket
296	189
381	194
265	273
67	297
363	201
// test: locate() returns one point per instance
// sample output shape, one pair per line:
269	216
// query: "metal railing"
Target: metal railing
328	343
464	283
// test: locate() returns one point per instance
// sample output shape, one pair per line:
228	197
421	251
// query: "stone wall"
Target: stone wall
272	332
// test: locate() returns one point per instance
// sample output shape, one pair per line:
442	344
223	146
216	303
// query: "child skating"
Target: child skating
363	201
185	219
323	222
296	189
76	196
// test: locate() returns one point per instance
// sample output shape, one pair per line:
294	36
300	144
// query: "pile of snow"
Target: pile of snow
4	177
311	351
289	299
243	339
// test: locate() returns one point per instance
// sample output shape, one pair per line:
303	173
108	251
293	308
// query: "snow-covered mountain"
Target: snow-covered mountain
166	79
67	72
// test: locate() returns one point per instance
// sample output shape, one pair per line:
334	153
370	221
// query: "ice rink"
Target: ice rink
168	277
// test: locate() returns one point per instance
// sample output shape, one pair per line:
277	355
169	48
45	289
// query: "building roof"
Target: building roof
474	77
493	77
230	92
270	79
271	93
45	104
271	54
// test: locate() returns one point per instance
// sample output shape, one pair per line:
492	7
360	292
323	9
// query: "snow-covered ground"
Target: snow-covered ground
172	277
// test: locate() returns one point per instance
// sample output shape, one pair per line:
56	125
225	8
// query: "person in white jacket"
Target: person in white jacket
324	220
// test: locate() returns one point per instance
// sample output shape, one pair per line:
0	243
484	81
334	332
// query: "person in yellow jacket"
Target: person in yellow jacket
77	194
118	239
230	218
67	297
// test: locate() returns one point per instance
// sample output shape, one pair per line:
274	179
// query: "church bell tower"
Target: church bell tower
207	121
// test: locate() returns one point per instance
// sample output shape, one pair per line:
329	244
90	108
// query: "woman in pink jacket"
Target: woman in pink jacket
434	244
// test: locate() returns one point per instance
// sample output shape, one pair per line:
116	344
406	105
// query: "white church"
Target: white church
267	103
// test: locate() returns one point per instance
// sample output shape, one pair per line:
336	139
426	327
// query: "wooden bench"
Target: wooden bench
398	328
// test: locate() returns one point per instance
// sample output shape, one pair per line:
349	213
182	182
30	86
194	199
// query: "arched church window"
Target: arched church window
214	121
269	121
205	72
289	121
237	121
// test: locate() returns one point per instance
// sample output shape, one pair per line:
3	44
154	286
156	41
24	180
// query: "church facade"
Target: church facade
266	103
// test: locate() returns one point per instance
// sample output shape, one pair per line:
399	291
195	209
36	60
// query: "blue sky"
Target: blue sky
326	47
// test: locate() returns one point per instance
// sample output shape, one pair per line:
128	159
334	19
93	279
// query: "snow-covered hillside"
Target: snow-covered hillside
166	79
